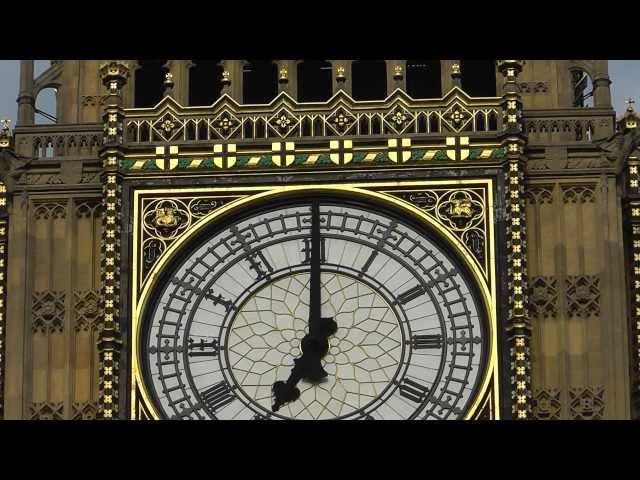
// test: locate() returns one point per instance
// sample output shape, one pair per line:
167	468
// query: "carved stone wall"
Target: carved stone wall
577	299
57	292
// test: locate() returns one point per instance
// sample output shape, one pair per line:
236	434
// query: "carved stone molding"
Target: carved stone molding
546	404
583	295
578	193
539	194
45	211
90	177
543	296
87	308
528	88
586	403
88	209
93	100
46	411
84	411
47	311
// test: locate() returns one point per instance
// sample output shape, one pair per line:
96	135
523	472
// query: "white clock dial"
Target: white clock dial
229	319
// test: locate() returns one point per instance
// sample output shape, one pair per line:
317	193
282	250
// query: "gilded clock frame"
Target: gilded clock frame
486	403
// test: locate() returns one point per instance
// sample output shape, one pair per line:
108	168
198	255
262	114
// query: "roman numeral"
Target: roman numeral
418	290
217	396
421	342
188	287
203	349
410	294
413	390
385	233
258	263
307	251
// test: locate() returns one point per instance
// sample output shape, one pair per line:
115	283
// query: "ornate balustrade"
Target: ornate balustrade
575	126
341	116
56	141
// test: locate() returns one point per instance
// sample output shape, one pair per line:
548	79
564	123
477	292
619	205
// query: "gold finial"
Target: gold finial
455	69
630	101
510	68
226	77
284	75
168	84
5	133
340	73
397	72
114	75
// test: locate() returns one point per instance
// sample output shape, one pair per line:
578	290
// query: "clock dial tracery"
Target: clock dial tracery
411	339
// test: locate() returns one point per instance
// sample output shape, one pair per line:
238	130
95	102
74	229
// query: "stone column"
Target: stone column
110	403
629	125
232	79
179	69
5	143
601	89
446	69
518	324
26	100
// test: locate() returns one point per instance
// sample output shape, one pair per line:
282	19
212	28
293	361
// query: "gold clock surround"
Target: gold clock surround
484	405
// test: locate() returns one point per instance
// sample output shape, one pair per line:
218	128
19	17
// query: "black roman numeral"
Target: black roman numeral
420	342
410	294
217	396
307	251
203	349
418	290
413	390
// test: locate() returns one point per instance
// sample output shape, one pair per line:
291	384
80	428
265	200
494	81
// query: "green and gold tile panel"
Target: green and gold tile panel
229	156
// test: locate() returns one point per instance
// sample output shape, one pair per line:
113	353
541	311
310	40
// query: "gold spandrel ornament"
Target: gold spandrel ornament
166	217
460	208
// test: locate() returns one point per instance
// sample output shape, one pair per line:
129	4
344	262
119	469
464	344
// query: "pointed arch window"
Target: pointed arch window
582	87
149	83
259	81
479	77
46	107
424	78
369	79
314	81
205	82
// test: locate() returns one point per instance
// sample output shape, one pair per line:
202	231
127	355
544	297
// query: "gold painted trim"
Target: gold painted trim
488	292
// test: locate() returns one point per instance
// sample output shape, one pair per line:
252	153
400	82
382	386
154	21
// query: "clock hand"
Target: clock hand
308	366
315	344
319	328
314	284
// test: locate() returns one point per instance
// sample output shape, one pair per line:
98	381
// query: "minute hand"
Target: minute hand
314	286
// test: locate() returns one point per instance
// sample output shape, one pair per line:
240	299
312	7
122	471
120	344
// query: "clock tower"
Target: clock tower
250	239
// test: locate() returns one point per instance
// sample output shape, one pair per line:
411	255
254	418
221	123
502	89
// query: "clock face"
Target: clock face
315	309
